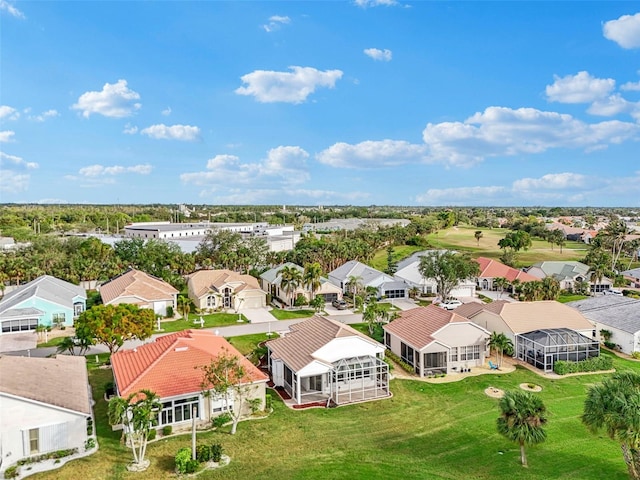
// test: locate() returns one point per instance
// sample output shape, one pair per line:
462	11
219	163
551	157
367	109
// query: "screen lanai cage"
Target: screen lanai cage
542	348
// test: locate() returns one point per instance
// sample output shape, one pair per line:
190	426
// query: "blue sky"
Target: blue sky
366	102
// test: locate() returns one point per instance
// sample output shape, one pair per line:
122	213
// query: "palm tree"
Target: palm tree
522	420
550	288
184	304
501	344
290	279
311	278
136	413
354	287
478	235
614	405
374	314
500	283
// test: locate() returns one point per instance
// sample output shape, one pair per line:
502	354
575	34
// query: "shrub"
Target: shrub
590	365
166	430
300	300
152	434
89	444
192	466
169	312
405	366
635	355
216	452
12	472
203	453
182	459
221	420
610	345
268	401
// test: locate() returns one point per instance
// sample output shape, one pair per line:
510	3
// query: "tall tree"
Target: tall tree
112	325
290	280
550	288
500	343
226	378
448	269
500	283
311	277
478	235
374	314
392	265
614	405
522	420
136	413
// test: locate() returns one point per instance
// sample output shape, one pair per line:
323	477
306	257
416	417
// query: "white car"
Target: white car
613	292
450	304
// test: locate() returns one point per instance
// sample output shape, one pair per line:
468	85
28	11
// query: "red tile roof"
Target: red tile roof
490	268
170	366
416	326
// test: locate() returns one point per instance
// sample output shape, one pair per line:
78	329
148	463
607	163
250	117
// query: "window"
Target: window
21	325
406	353
454	354
58	319
179	410
211	301
34	441
387	339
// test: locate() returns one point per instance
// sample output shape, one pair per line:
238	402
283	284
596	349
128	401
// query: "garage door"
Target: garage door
330	297
462	292
253	302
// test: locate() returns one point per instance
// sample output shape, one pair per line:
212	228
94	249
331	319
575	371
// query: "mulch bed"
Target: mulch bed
309	405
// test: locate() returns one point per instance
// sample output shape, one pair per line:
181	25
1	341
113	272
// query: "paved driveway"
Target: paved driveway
17	341
258	315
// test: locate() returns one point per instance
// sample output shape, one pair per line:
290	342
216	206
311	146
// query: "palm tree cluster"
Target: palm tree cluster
501	344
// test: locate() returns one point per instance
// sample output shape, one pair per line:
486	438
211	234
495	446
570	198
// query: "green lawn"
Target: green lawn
571	298
425	431
212	320
54	342
400	252
248	343
462	238
281	314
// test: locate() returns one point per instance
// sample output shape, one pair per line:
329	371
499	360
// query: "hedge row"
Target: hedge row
593	364
405	366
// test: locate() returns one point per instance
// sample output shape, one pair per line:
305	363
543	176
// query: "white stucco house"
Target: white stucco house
409	273
225	289
271	282
385	285
45	406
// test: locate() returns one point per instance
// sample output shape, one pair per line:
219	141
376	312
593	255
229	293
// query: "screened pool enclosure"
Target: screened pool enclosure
542	348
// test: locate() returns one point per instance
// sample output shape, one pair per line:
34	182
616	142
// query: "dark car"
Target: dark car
339	304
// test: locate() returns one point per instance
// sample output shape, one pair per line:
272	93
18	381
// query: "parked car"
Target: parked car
613	292
450	304
339	304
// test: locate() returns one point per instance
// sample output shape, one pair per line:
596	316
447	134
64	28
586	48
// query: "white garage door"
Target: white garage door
253	302
462	292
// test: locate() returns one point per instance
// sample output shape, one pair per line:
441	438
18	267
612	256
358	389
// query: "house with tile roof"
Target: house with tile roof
435	340
542	332
491	269
46	301
45	406
618	315
171	367
141	289
385	285
324	360
225	289
270	282
568	273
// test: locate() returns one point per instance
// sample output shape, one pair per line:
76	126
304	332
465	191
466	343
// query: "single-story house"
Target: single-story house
491	269
409	273
271	283
171	368
139	288
225	289
542	332
435	340
321	359
633	276
45	406
568	273
618	315
46	301
385	285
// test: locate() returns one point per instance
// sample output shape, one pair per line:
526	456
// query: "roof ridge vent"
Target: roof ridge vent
181	349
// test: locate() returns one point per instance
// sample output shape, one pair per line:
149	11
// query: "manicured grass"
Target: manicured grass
97	360
248	343
434	431
53	342
281	314
400	252
571	298
462	238
211	320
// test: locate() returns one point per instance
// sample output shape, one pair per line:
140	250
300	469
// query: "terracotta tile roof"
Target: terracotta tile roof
416	326
135	283
170	366
490	268
61	380
202	281
305	338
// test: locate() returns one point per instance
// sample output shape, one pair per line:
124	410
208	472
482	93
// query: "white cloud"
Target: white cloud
14	176
375	3
115	100
625	31
459	195
551	181
290	87
44	116
10	9
380	55
130	129
166	112
579	88
6	136
275	22
371	154
52	201
100	170
501	131
8	112
610	106
222	161
631	86
186	133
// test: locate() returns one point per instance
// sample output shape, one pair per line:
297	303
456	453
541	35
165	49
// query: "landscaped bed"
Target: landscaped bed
424	431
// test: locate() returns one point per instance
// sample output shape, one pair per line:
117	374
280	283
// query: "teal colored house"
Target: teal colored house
46	301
